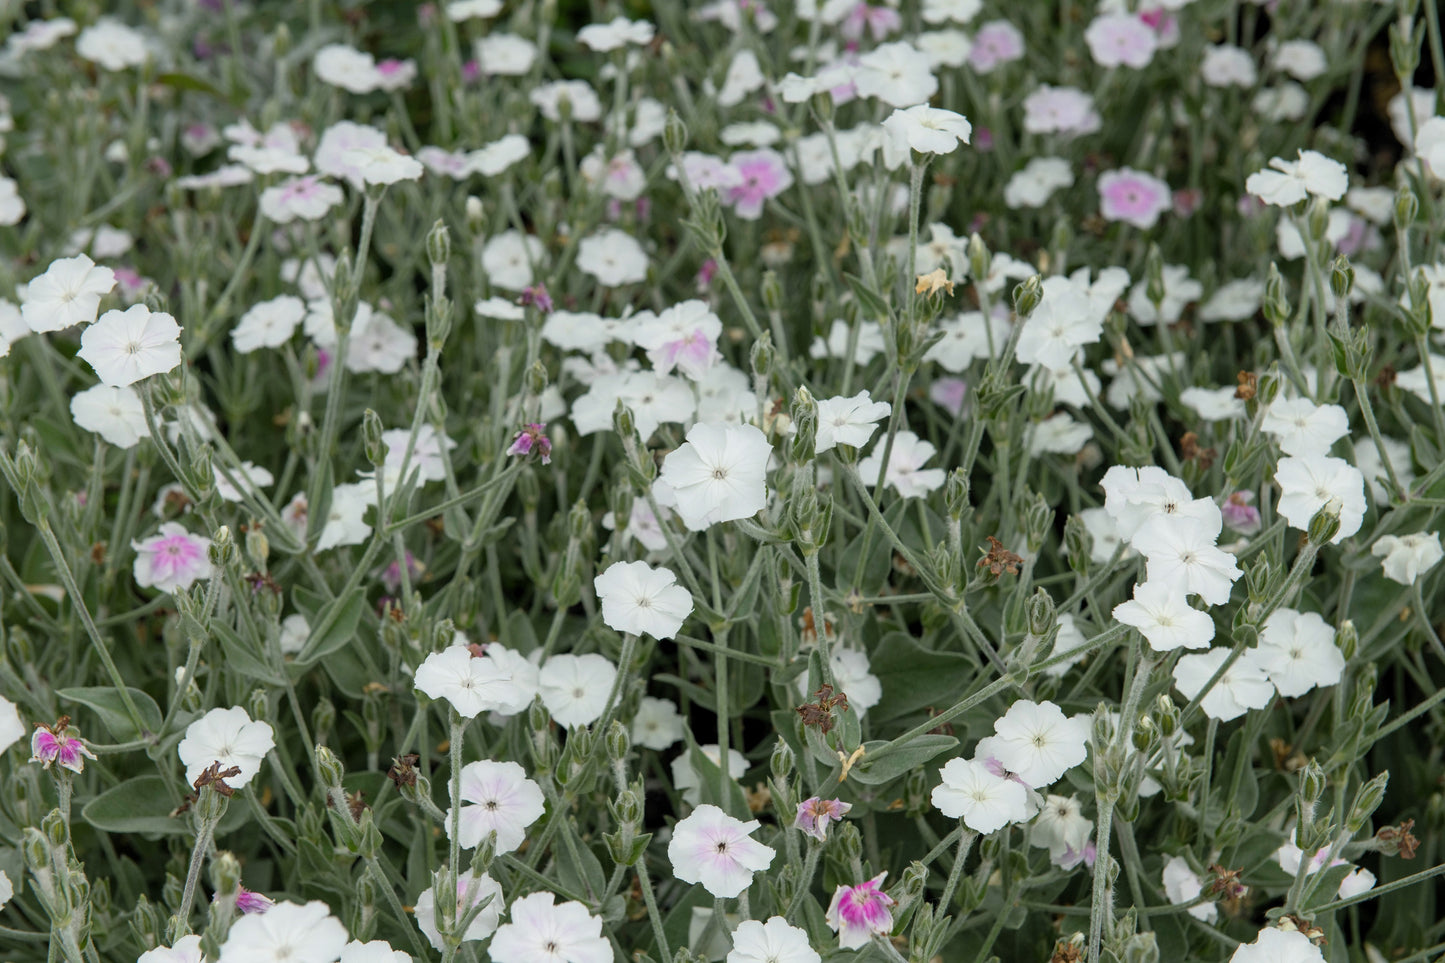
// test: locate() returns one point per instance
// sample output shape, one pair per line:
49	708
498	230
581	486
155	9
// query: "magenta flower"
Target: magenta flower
391	577
1239	514
249	901
532	437
764	174
857	912
950	394
705	274
55	744
815	814
172	560
537	297
1133	197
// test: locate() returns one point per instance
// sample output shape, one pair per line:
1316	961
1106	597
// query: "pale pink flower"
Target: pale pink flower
857	912
763	174
531	438
249	901
172	560
997	42
1121	39
1239	514
714	849
1133	197
815	814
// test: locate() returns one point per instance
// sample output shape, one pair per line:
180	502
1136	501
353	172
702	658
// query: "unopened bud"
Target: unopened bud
772	292
1407	208
674	134
617	739
805	424
225	874
371	441
1027	296
1367	800
1348	639
439	243
330	767
1342	278
955	493
223	548
761	358
1325	524
476	216
978	258
1041	613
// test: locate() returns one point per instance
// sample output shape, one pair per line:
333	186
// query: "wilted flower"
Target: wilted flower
814	815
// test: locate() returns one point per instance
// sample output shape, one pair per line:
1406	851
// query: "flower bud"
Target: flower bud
330	767
371	441
225	874
1367	800
1154	276
1405	40
1040	610
1146	735
911	885
674	134
1140	948
476	216
1167	715
1318	219
438	244
223	547
772	292
805	424
1325	524
623	421
978	258
617	740
1027	296
258	548
1407	208
1259	579
1348	639
323	717
258	704
1078	544
57	833
203	477
438	316
536	379
761	358
1342	278
1038	520
782	761
1276	302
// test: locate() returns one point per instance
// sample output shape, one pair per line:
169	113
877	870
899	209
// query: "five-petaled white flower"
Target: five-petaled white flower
714	849
502	800
639	599
848	421
1038	743
125	346
1406	557
541	930
984	800
229	737
718	475
473	684
67	294
286	933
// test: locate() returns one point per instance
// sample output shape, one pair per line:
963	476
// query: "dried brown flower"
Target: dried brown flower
1248	385
403	770
999	559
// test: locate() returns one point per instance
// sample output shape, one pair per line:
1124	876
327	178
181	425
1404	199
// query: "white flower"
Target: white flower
377	951
1038	743
12	730
1407	557
252	476
658	725
503	801
345	67
228	737
1055	332
1058	434
333	150
639	599
1304	428
613	257
1278	946
116	414
985	801
1243	687
1061	828
848	421
896	73
868	346
967	337
1181	553
1214	404
382	165
1225	65
112	45
345	524
1289	182
187	949
286	933
504	55
1162	614
619	32
1179	290
68	293
1182	885
1358	881
12	205
574	688
928	130
718	475
1037	181
126	346
906	473
460	10
714	849
687	781
472	684
1310	482
484	889
1297	651
269	324
772	942
301	198
577	94
544	931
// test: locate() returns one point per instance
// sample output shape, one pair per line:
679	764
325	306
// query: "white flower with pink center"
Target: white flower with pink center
763	174
1133	197
714	849
857	912
683	337
55	744
997	42
306	198
1121	40
172	560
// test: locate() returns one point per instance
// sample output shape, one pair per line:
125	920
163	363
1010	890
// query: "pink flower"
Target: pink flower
815	814
764	174
857	912
1187	200
471	71
705	274
532	436
1239	514
1072	857
249	901
537	297
391	577
52	744
997	42
172	560
880	21
1133	197
1121	39
949	393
